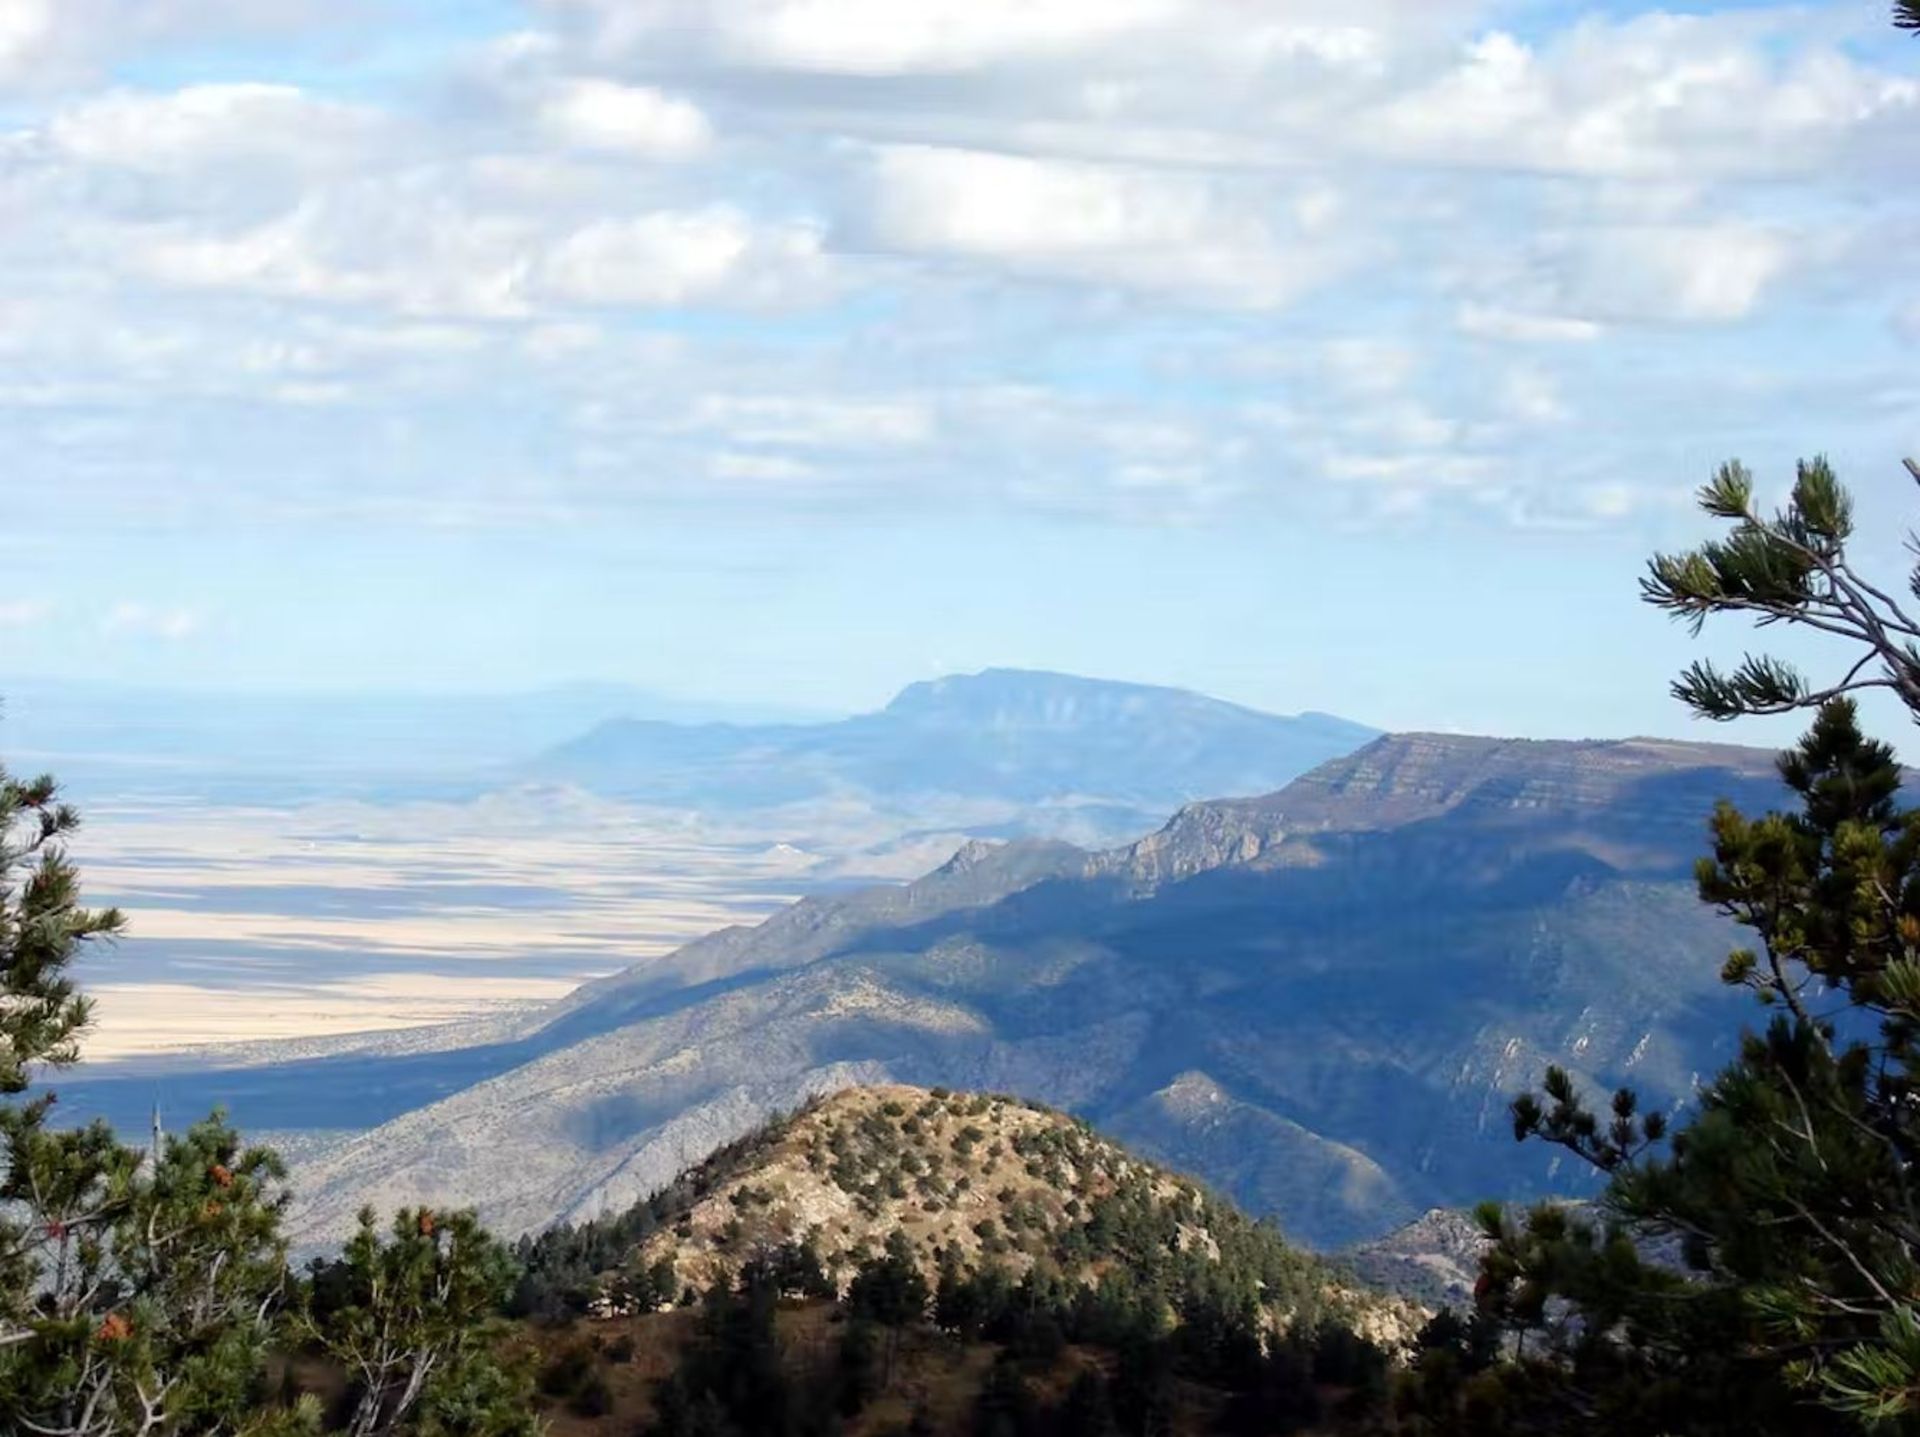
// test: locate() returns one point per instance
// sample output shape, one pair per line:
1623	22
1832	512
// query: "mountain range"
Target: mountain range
1054	751
1319	1000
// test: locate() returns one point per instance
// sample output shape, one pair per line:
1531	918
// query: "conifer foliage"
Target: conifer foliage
144	1293
136	1289
410	1318
1758	1272
1791	567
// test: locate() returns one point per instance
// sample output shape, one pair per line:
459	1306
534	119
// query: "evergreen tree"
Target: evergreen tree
1760	1272
1789	567
731	1377
889	1289
409	1319
136	1288
140	1294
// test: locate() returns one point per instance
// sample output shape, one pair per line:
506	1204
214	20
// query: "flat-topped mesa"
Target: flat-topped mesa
1000	699
1407	779
1403	778
1030	751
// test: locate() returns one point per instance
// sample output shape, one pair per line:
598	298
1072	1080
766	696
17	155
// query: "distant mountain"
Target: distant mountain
1320	1000
1008	736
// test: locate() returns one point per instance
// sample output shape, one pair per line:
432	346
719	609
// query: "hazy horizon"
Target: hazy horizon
1348	357
638	700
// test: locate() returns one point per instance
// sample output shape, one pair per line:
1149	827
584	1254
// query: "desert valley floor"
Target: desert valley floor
281	923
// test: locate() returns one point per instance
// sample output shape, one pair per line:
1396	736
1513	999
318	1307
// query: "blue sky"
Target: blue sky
1347	356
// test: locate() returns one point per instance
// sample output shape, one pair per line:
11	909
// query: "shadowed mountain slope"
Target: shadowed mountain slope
1319	1000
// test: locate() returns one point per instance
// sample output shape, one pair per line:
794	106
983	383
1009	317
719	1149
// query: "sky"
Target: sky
1347	355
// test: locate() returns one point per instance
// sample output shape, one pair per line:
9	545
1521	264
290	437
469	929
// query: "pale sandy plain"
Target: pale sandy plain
263	923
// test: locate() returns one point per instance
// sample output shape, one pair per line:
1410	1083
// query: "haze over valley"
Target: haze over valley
307	869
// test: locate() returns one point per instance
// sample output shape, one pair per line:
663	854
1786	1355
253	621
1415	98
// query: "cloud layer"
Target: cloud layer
1142	260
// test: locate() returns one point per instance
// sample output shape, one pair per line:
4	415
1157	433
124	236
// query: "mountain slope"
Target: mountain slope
1013	736
969	1181
1320	1000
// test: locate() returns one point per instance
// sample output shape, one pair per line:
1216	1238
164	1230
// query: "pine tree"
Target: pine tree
136	1288
409	1317
43	929
1790	567
141	1292
1759	1271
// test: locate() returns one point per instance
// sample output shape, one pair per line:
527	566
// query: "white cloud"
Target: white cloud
46	44
24	613
413	262
1655	96
1487	322
873	37
151	621
915	202
1704	272
732	466
26	33
625	119
678	257
1103	223
210	124
815	422
421	253
1370	366
1532	396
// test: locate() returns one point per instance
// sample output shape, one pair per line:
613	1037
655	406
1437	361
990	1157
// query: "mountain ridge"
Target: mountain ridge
1269	951
1116	754
1356	971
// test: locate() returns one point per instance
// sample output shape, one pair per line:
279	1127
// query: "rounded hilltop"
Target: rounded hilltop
966	1182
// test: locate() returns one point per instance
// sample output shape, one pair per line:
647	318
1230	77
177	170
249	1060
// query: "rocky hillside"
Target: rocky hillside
1433	1260
973	1181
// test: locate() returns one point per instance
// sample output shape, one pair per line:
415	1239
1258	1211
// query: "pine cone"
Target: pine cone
222	1176
426	1223
114	1328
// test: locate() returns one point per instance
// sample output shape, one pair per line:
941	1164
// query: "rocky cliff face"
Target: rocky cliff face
1319	1000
